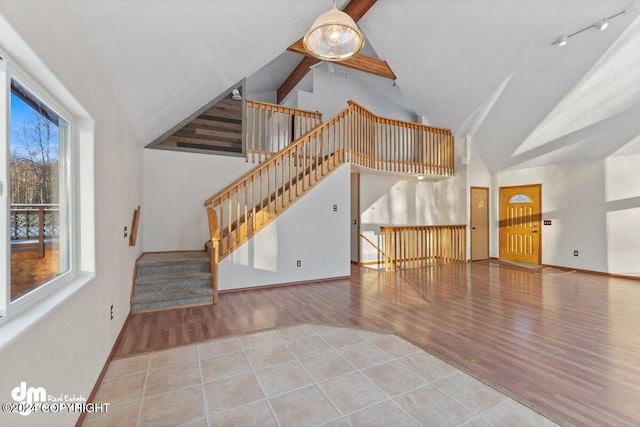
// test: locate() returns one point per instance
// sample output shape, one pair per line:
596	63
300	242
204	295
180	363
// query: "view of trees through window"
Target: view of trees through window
35	192
34	158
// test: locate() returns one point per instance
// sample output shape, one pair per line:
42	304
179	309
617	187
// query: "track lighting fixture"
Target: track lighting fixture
600	25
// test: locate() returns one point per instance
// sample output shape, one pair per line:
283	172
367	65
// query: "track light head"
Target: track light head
602	25
563	41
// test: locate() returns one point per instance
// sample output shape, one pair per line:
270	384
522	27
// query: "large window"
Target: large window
35	161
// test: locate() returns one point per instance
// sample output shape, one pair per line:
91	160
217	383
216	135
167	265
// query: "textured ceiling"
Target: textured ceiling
483	68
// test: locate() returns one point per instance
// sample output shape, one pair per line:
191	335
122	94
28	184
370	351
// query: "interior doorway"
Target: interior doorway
479	223
520	220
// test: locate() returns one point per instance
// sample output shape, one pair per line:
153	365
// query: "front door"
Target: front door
520	218
479	223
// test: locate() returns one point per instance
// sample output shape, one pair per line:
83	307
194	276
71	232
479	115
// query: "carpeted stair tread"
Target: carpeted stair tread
170	295
150	279
161	258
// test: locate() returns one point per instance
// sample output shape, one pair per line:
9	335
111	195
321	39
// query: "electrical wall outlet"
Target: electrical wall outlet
575	253
111	312
335	208
126	233
547	222
299	263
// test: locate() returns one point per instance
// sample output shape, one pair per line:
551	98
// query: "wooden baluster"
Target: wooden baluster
316	149
261	139
246	208
290	171
269	209
403	148
441	152
431	151
229	221
253	203
238	232
452	151
246	142
392	144
283	179
304	161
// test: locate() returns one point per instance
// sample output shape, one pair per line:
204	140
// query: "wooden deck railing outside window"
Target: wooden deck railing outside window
34	222
423	245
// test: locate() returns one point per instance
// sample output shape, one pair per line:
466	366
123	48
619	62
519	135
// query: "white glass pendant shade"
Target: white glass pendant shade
334	36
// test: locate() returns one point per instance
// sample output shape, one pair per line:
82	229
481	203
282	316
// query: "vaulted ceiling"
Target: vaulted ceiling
487	69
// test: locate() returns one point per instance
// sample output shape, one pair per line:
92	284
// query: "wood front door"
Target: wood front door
520	220
479	223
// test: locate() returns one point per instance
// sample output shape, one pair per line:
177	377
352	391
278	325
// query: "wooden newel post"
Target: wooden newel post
214	252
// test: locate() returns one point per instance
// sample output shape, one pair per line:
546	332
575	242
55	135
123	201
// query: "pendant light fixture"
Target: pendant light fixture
334	36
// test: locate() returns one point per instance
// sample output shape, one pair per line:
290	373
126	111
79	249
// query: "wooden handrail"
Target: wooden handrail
284	109
271	127
413	246
404	123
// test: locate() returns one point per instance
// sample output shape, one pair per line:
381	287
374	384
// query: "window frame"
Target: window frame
9	70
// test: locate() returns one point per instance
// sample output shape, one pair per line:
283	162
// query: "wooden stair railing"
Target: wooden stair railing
356	135
271	127
252	201
213	246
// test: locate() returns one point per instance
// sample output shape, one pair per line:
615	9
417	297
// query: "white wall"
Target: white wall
65	351
330	95
478	174
309	231
594	208
176	184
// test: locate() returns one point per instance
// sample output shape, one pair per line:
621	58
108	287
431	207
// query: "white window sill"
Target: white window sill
14	325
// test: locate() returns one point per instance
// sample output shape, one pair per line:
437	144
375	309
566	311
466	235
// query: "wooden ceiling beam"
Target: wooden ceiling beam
296	75
356	9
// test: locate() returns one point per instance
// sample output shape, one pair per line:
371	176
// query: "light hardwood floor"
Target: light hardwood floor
568	343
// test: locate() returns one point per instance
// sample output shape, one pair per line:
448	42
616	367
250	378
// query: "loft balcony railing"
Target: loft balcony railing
271	127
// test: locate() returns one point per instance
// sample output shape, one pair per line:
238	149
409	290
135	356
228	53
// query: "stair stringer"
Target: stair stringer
308	230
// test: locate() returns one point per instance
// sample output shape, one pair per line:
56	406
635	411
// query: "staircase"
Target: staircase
286	171
167	280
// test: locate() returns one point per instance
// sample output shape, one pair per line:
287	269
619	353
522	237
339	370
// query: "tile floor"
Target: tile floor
305	375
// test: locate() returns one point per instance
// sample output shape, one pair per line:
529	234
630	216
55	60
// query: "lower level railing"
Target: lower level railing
423	245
